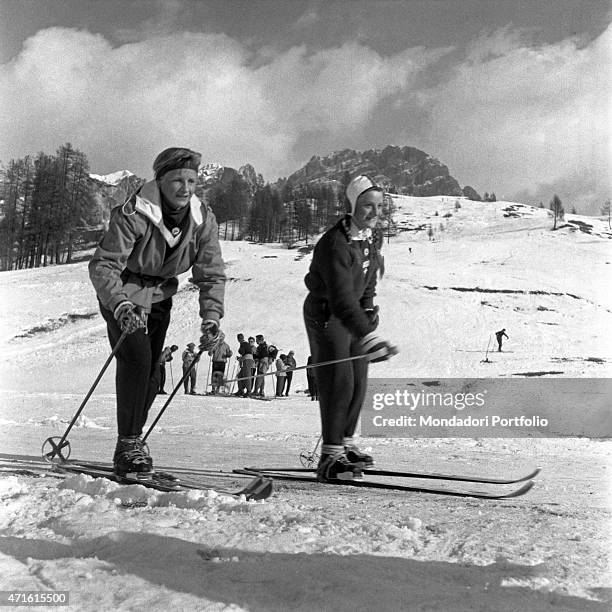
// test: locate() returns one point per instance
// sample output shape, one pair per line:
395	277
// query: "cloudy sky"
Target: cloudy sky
512	95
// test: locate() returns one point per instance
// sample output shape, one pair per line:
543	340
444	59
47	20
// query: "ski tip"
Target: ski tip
533	474
518	492
529	476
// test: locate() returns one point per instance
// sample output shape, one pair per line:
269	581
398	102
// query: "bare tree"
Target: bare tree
557	209
605	210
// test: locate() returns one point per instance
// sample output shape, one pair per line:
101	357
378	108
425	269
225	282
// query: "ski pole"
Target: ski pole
171	374
56	449
308	367
309	459
174	392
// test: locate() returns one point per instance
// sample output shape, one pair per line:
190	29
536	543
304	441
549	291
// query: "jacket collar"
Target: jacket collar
148	202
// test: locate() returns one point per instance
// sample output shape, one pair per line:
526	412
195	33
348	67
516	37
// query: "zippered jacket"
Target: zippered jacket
130	264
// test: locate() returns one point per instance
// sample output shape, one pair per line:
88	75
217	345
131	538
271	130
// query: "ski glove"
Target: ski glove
129	318
211	336
372	314
376	349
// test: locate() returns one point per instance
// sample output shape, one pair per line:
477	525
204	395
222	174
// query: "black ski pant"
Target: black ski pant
162	376
245	386
341	387
218	366
288	383
137	375
190	377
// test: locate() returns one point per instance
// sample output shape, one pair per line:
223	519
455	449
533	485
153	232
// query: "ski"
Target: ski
366	484
419	475
258	488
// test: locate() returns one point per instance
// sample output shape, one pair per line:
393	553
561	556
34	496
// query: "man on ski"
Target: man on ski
262	362
500	335
246	361
220	354
190	373
160	232
341	320
164	358
290	361
281	375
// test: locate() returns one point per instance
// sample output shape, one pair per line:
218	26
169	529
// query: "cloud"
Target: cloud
517	115
307	19
122	104
506	115
164	20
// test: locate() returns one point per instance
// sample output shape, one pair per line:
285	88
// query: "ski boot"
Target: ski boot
132	457
354	455
336	468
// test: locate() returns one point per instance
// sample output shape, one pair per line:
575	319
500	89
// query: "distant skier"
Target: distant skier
262	362
281	375
341	321
220	354
160	232
500	335
165	357
191	379
245	361
290	361
312	383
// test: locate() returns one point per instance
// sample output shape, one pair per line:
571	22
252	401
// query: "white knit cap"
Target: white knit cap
355	188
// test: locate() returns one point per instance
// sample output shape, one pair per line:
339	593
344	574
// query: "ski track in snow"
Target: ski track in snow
316	547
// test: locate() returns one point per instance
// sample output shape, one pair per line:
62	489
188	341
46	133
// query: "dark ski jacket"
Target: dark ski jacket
342	279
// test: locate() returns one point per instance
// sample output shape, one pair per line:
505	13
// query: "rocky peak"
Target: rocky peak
406	169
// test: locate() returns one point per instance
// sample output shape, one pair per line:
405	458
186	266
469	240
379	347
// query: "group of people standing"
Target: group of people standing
164	230
190	373
255	358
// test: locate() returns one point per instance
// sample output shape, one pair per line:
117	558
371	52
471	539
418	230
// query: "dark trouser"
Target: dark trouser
162	376
218	366
288	385
245	386
312	385
341	386
137	375
190	381
260	379
280	384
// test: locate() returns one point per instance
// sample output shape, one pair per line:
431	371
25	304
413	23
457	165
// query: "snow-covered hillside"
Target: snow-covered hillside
486	266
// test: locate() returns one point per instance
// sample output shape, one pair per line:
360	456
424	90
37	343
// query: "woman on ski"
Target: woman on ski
341	320
160	232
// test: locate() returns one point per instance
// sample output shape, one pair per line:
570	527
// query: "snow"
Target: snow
114	178
317	547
